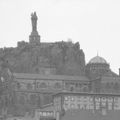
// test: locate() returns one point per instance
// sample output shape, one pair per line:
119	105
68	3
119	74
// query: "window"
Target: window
29	86
57	85
43	85
34	99
18	85
116	87
22	99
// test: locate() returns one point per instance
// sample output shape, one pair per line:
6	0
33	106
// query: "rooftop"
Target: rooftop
28	76
97	59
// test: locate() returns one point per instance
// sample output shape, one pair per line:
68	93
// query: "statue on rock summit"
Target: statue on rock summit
34	38
34	21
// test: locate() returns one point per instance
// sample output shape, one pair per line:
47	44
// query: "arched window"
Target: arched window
57	85
85	89
116	87
108	86
22	99
29	86
18	85
48	98
34	99
43	85
71	88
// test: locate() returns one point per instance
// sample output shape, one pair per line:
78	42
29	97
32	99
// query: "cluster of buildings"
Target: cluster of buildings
92	95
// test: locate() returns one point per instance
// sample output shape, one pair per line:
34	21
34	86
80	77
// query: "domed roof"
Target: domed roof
98	59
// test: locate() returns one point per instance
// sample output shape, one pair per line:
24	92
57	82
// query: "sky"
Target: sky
95	24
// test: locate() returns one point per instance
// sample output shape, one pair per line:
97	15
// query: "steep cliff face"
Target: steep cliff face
50	58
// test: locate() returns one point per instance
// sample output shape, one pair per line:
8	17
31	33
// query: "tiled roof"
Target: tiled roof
49	77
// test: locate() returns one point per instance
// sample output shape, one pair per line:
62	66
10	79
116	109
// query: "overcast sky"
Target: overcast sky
95	24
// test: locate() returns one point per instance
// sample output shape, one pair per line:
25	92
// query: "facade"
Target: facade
52	81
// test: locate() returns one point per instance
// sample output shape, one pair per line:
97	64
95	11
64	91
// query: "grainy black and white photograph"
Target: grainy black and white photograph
59	60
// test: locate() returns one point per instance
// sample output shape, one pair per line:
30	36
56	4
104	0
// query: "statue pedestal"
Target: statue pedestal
34	38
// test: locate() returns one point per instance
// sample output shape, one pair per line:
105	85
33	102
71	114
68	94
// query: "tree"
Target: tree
5	84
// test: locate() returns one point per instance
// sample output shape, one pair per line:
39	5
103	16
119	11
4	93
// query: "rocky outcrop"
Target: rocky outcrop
56	58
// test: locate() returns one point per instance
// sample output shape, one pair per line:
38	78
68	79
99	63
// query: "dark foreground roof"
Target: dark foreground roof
91	115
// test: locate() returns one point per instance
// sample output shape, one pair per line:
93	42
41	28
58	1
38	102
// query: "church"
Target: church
52	81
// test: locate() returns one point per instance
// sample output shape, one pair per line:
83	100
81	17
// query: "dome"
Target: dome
98	59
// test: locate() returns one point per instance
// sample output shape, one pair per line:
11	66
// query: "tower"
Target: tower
34	38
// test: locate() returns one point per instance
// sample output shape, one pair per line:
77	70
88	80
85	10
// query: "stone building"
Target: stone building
52	81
